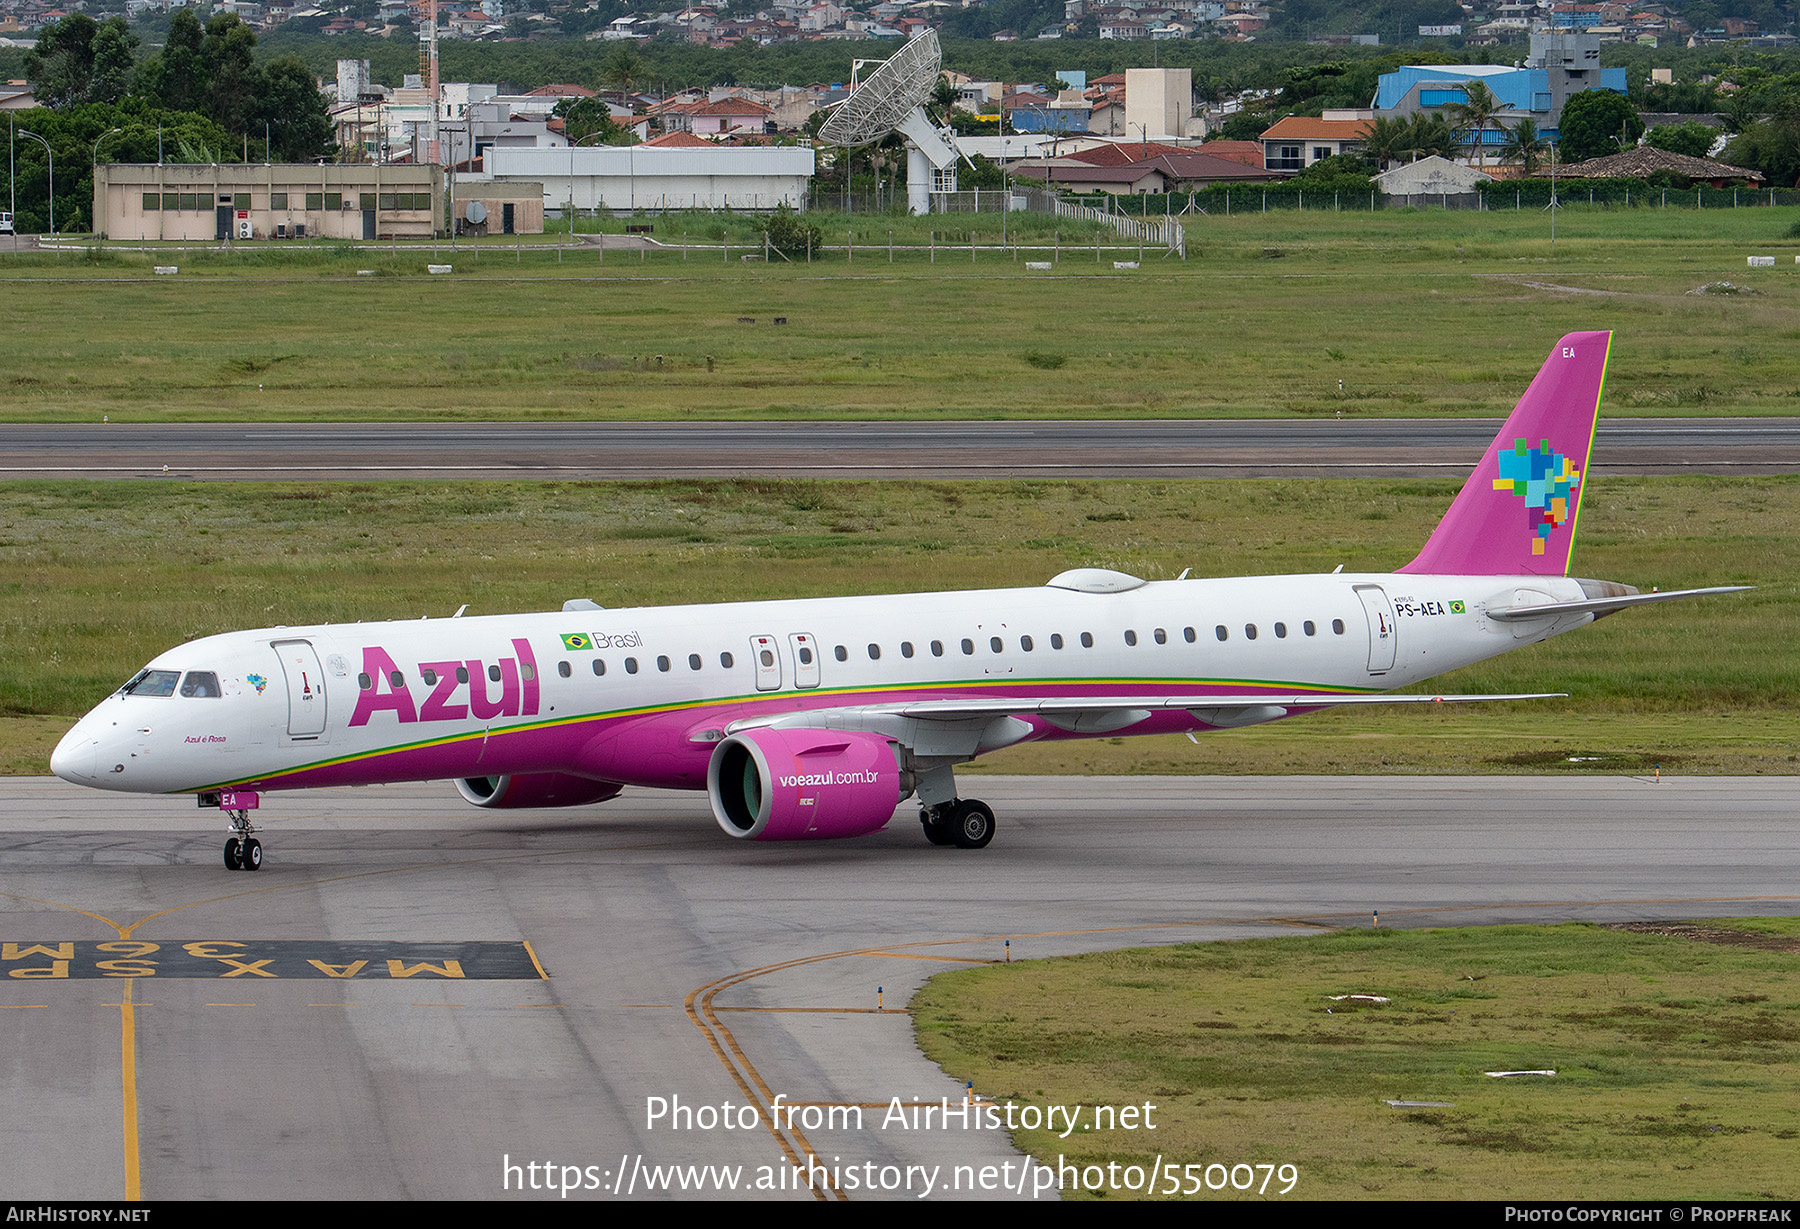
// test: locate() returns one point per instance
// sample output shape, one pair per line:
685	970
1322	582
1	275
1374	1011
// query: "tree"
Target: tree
1475	112
177	77
586	118
1432	134
115	61
1389	140
625	68
786	233
228	56
1772	145
1525	145
1692	138
1593	123
61	67
293	111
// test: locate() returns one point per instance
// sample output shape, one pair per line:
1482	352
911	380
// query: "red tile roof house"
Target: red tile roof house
726	115
1295	143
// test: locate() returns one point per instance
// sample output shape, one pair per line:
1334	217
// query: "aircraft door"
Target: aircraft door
1382	631
305	688
767	654
806	659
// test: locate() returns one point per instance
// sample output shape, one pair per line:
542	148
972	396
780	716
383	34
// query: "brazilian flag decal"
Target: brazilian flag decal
1455	608
577	641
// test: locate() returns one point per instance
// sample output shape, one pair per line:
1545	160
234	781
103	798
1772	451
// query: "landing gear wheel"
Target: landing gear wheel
234	855
936	822
971	824
251	859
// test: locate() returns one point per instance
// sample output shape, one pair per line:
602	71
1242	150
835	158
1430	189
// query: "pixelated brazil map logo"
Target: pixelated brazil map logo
1547	482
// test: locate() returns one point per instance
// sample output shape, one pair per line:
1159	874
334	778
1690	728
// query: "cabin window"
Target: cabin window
968	647
1025	643
631	665
1337	627
874	652
995	644
841	653
599	667
662	663
397	680
1130	637
1309	627
693	661
1087	640
906	649
1281	631
201	685
1221	633
493	674
1250	631
1056	640
1162	637
362	680
527	671
462	675
804	654
767	657
725	660
562	668
430	676
937	648
1187	634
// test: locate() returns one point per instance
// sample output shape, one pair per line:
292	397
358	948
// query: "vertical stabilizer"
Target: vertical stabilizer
1516	514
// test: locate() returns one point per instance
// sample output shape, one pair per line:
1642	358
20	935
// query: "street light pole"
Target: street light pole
26	132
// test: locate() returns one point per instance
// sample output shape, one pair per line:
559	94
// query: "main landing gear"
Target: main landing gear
243	852
964	822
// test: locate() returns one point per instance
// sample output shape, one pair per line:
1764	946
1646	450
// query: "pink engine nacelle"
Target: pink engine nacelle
803	785
536	789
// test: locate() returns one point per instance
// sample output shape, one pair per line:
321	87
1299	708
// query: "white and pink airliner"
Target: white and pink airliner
814	718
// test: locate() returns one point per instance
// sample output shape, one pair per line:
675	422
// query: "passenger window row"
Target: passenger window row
995	645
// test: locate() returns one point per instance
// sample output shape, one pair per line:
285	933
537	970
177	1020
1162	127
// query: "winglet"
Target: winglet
1517	513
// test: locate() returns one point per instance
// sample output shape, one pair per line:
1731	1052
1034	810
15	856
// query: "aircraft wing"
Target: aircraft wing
1049	706
963	720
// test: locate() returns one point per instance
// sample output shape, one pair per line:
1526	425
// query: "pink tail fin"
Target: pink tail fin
1516	514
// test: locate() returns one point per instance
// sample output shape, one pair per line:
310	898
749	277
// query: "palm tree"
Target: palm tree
1389	138
1524	145
1432	134
1475	112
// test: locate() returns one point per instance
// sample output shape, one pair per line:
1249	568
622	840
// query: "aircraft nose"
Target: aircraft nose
75	756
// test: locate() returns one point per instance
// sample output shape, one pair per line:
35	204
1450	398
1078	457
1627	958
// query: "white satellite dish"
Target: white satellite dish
893	100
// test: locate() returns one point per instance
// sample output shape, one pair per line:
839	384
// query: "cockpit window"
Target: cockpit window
203	684
152	683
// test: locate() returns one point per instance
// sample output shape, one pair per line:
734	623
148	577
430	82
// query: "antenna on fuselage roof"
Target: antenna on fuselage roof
1334	572
1184	572
459	611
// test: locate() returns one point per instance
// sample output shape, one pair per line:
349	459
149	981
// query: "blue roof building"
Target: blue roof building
1562	63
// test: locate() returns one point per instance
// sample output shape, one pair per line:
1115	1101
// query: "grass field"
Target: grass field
1675	1060
96	578
1416	313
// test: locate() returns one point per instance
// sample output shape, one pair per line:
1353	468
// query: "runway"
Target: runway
1187	448
531	982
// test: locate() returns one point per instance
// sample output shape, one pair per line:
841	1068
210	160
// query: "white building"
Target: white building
1158	102
640	177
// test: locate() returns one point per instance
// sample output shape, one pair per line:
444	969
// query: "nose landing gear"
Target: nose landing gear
243	852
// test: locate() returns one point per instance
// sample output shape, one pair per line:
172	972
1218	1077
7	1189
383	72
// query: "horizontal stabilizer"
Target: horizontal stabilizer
1604	605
